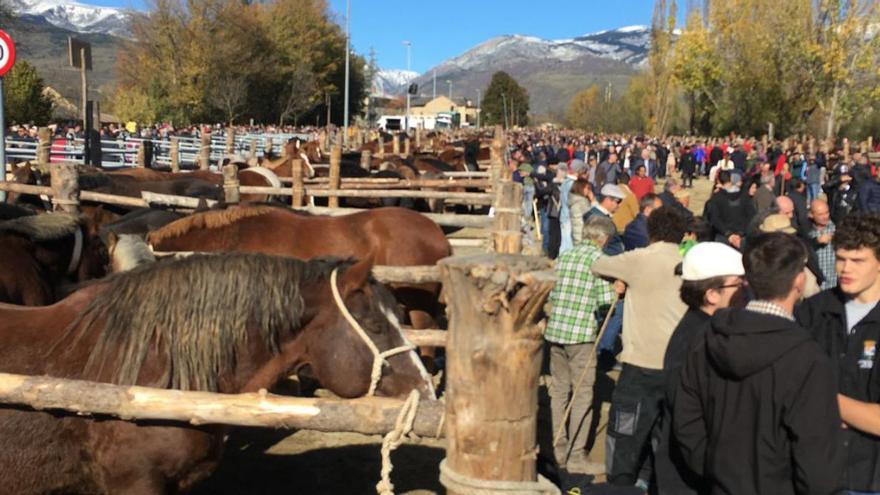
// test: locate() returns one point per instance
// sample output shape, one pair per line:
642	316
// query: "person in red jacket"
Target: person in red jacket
641	184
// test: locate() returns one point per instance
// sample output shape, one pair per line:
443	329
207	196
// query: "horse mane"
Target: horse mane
194	314
46	227
212	219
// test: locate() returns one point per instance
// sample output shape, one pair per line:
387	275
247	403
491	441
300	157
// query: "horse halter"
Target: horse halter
379	358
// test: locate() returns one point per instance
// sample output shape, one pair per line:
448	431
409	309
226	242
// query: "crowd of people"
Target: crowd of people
745	333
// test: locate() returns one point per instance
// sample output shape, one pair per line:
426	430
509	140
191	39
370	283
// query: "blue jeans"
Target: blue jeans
528	196
545	230
612	331
813	191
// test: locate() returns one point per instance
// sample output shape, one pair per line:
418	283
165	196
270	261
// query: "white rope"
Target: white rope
379	358
405	419
466	485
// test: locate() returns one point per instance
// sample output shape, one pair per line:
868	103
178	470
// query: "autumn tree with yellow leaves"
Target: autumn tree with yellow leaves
227	60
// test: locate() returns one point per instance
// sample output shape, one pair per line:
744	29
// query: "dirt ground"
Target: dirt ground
266	462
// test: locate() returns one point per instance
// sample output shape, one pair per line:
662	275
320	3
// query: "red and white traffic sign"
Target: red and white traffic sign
7	53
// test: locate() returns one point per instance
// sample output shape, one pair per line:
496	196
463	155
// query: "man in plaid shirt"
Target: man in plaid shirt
571	335
822	233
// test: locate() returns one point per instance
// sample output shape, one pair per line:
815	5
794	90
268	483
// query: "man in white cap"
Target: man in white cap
609	200
711	279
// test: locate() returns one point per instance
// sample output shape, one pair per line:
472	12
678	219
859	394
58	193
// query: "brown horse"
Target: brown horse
250	176
393	236
230	323
40	254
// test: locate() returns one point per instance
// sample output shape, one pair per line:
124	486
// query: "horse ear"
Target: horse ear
357	276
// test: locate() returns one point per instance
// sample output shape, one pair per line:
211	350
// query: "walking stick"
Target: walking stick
537	219
577	386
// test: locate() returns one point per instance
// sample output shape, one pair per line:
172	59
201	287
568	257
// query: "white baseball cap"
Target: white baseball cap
711	259
612	190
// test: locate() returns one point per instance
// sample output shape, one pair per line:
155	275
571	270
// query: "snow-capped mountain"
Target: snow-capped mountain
390	82
78	17
629	44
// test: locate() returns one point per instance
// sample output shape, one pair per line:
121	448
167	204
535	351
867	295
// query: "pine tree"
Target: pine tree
505	102
23	95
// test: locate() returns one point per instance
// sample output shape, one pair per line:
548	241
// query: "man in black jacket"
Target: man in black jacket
845	321
755	408
712	279
729	211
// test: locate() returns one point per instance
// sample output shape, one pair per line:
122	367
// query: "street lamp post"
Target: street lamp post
408	46
347	55
479	109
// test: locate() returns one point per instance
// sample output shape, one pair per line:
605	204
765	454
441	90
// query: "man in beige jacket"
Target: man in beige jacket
651	310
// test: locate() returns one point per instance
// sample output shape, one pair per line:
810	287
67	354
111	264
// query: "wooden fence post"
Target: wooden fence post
365	160
418	139
205	151
298	190
407	147
395	144
65	187
496	169
141	157
333	185
253	149
495	305
322	140
870	143
269	145
507	227
380	153
231	192
174	152
845	149
44	146
230	140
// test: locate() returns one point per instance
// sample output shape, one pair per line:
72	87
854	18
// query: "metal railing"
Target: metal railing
122	152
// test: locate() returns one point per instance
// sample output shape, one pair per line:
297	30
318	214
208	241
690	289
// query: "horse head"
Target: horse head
33	175
357	326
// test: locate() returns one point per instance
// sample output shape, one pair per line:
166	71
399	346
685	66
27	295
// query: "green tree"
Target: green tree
132	105
23	95
504	94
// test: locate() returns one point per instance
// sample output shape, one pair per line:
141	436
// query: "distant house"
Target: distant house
425	106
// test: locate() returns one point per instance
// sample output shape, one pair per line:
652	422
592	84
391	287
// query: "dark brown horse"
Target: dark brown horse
230	323
393	236
42	253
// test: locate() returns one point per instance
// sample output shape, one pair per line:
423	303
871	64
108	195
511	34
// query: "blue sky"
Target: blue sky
440	30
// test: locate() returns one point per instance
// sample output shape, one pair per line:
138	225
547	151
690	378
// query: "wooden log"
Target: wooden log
497	161
442	219
230	141
44	146
464	198
368	415
269	145
172	200
297	190
26	189
426	338
65	187
174	152
870	143
494	342
141	157
418	139
333	184
845	149
467	242
365	159
407	148
406	274
231	193
322	140
507	229
113	199
395	144
253	149
205	151
380	153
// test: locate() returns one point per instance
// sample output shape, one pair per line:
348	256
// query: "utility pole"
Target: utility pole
347	56
504	101
408	46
